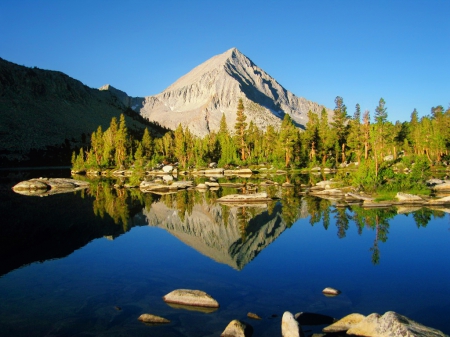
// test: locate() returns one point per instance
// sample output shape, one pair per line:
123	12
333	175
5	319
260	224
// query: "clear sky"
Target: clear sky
360	50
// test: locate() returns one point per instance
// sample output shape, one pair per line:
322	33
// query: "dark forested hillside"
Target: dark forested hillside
45	114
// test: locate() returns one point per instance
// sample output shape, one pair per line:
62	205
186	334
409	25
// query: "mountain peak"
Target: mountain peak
199	99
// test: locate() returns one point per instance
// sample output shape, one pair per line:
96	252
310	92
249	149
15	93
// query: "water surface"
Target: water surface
89	263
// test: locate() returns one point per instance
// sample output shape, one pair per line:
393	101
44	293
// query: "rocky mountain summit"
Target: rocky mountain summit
199	98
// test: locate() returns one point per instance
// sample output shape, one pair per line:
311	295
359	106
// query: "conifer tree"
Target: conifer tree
287	138
339	124
311	135
180	150
327	138
366	133
121	142
355	137
379	133
240	129
97	146
147	146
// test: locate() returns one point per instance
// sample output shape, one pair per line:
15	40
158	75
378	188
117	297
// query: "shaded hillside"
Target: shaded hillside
44	114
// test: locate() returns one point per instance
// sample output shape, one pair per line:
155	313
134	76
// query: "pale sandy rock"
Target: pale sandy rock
212	184
442	187
191	297
325	183
440	201
215	171
331	291
392	324
359	196
149	318
289	326
245	197
331	191
202	186
405	197
239	172
237	328
344	323
167	168
434	181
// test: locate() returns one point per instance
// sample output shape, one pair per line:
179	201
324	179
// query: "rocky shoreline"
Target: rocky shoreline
389	324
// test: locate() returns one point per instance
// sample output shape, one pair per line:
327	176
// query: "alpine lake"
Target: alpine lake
89	263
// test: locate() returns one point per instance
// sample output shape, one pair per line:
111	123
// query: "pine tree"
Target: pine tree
327	138
366	133
379	133
121	142
287	139
311	135
180	146
240	129
97	146
355	136
147	145
340	126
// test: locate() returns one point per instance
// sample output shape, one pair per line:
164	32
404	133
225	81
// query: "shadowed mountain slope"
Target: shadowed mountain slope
44	112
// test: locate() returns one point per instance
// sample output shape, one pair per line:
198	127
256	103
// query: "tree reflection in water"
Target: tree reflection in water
121	204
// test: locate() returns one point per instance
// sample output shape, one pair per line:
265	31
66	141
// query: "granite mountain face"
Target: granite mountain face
199	98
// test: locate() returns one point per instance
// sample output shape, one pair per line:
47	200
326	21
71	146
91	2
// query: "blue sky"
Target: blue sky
359	50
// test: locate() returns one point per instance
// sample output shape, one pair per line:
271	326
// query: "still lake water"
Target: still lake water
89	263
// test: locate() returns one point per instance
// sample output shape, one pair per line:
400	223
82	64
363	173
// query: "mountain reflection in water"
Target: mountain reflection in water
41	229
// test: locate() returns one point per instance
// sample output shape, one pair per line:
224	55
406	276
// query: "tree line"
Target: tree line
326	142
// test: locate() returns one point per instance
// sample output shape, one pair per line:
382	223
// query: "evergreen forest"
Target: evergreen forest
380	153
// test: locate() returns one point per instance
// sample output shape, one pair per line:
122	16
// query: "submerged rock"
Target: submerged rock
237	328
253	315
191	297
149	318
310	318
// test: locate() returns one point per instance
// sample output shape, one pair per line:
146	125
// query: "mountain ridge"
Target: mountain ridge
199	98
45	114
